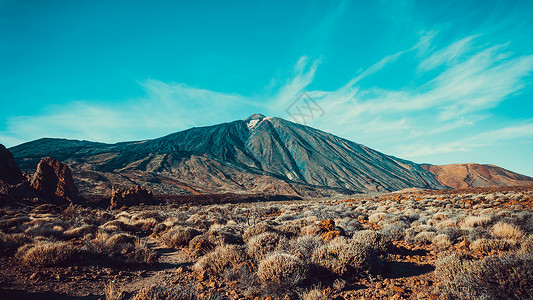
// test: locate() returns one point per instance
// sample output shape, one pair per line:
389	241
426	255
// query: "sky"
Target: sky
430	81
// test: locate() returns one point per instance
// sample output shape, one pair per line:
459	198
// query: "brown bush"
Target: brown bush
215	263
346	258
9	243
506	276
179	236
489	245
257	229
81	231
261	245
314	294
282	269
164	292
305	245
507	231
378	241
49	254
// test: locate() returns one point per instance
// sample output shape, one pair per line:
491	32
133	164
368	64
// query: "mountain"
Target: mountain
256	155
476	175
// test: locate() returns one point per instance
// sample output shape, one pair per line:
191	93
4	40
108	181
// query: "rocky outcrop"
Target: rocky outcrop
135	195
53	181
9	171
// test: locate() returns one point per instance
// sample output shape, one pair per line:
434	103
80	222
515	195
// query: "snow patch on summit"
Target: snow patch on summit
252	124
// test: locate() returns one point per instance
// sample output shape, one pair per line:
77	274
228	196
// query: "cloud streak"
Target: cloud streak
458	86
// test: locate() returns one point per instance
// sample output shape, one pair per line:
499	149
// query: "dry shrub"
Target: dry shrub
304	246
507	231
261	245
527	245
148	215
378	241
346	258
117	225
121	248
81	231
425	237
208	241
506	276
488	245
12	222
395	230
257	229
282	269
289	230
112	292
377	217
49	254
200	245
142	254
215	263
314	294
47	230
442	242
146	224
312	229
165	292
471	222
179	236
9	243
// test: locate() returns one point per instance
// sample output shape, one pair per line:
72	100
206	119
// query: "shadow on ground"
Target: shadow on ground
397	269
21	295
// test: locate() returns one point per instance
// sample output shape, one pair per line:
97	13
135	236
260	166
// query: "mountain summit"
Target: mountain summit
256	155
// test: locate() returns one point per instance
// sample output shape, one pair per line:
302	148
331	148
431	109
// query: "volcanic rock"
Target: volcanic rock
135	195
53	181
9	171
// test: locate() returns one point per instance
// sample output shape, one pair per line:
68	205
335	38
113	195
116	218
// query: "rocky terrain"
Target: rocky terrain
474	243
467	244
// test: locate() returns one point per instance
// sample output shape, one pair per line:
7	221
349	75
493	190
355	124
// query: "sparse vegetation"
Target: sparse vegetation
479	245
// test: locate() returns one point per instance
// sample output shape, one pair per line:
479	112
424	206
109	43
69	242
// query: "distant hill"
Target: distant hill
256	155
459	176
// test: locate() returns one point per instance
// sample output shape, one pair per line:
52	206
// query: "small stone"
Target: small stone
398	289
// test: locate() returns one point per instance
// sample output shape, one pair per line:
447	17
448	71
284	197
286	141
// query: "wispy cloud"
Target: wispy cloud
460	84
475	79
488	138
166	108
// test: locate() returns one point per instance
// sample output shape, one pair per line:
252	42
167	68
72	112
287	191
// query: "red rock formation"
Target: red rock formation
9	171
135	195
53	181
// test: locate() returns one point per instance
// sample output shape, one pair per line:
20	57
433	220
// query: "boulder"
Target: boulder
53	181
9	171
132	196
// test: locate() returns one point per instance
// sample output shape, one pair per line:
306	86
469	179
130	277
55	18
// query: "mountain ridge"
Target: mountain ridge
257	154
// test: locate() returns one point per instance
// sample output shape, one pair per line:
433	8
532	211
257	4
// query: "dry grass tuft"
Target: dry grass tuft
49	254
282	269
346	258
507	231
215	263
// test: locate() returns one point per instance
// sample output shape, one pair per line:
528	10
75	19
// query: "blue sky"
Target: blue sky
430	81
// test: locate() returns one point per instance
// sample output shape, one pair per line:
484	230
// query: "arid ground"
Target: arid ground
454	244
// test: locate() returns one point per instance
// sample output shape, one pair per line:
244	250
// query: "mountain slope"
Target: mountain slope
476	175
258	154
